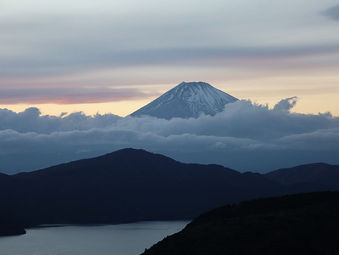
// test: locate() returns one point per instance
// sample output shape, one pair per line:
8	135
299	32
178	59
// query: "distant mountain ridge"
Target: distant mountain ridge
135	185
320	173
187	100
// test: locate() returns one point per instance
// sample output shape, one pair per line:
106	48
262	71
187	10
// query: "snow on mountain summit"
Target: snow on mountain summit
187	100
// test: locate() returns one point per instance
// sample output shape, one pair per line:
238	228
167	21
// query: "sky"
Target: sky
71	70
115	56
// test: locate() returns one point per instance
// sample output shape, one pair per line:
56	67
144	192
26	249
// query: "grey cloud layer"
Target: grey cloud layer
333	12
68	95
31	121
39	41
245	136
98	57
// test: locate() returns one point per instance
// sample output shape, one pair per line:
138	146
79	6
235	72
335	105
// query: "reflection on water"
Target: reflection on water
125	239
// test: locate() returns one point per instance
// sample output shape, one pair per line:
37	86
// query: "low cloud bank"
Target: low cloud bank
246	136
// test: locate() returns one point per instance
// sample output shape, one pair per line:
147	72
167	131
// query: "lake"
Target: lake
124	239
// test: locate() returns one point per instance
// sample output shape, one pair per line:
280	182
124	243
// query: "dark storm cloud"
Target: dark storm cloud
246	136
68	95
333	12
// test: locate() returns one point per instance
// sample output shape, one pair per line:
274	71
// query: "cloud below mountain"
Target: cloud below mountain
246	136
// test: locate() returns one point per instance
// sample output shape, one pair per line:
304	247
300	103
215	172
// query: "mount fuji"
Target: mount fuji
187	100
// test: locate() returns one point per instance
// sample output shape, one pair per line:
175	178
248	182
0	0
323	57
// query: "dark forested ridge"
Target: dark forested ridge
133	185
293	224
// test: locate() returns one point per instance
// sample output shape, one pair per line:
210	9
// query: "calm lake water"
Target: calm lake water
125	239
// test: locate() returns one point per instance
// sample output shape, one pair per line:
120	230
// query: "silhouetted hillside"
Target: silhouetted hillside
295	224
131	185
10	222
134	185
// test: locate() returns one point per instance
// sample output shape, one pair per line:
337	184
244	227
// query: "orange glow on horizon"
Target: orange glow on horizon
122	108
310	104
313	98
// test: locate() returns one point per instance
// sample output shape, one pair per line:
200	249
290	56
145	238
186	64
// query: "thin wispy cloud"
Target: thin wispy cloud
69	95
71	60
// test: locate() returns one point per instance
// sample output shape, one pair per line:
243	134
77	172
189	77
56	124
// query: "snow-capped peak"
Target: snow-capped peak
187	100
